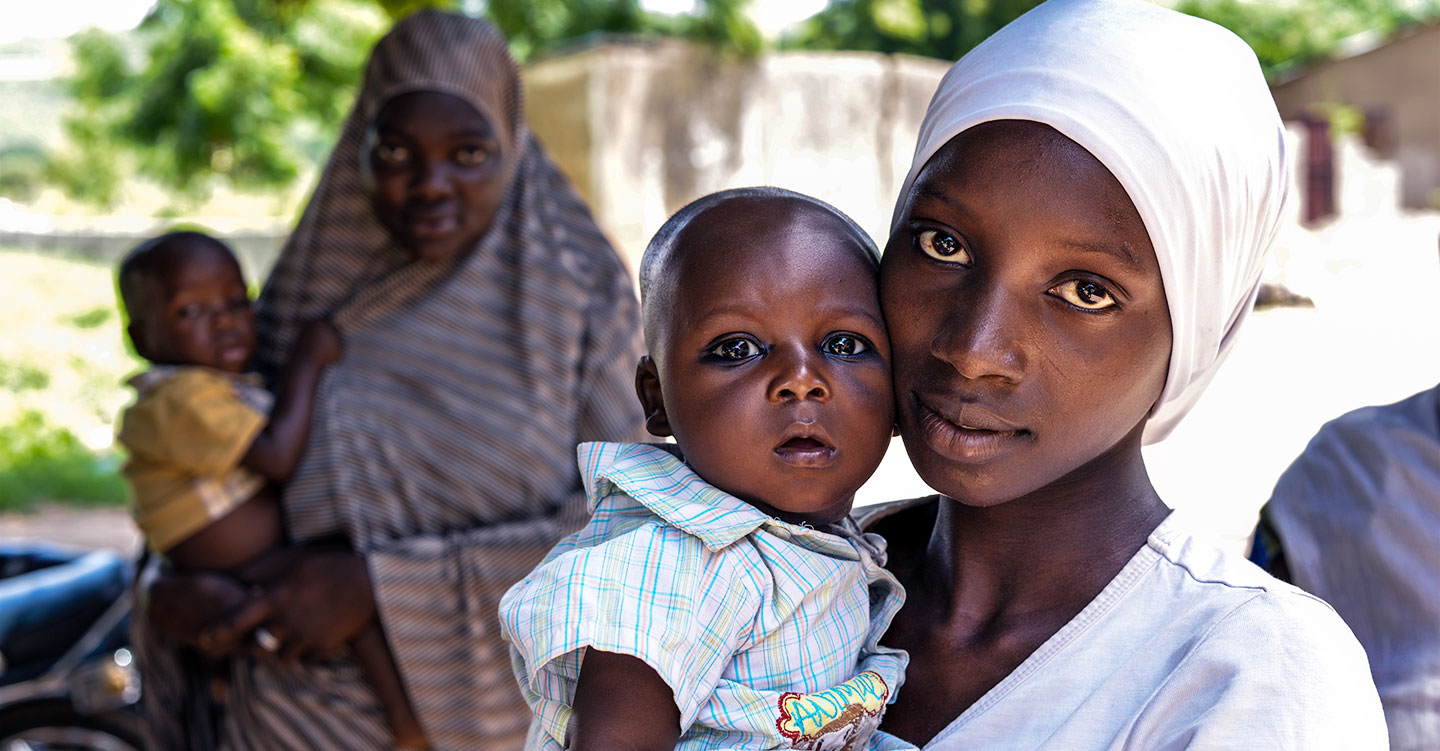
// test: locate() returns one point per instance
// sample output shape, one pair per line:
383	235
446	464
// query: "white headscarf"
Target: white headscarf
1176	108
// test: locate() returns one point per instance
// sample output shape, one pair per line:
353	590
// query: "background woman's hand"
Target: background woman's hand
186	608
315	608
320	343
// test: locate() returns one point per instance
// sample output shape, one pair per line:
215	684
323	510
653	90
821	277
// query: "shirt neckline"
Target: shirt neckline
1141	563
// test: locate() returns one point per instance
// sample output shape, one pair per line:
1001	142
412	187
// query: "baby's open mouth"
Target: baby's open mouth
805	452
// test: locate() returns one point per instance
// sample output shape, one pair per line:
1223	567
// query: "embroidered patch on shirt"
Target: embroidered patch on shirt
838	719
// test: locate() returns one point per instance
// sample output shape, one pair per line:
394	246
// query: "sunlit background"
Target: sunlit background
119	118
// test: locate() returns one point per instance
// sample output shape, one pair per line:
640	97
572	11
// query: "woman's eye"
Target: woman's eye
1084	294
844	345
391	153
471	156
736	349
942	246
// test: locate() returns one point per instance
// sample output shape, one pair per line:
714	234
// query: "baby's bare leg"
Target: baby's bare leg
374	657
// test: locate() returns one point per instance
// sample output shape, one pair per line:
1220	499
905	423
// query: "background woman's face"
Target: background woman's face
437	173
1027	317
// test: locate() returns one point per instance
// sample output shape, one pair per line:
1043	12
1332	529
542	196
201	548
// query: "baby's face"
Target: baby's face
197	312
774	360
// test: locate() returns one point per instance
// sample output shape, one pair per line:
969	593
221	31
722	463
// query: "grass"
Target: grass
40	462
61	382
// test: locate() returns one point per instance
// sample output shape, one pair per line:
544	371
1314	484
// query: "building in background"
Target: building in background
1395	85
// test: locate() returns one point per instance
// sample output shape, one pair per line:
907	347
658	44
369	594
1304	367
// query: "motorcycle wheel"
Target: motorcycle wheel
56	726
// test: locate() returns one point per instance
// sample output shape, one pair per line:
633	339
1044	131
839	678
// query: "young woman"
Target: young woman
1079	237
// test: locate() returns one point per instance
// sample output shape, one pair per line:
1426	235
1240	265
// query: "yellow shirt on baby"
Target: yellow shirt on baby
186	433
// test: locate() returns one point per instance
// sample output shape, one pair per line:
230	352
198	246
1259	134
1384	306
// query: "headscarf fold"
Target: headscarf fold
340	261
1178	111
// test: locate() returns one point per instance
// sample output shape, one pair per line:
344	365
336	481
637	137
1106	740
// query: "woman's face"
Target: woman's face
437	173
1027	317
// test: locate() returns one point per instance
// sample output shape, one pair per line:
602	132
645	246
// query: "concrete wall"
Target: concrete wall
1401	77
644	129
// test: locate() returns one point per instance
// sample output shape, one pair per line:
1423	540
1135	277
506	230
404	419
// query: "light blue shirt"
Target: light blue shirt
767	632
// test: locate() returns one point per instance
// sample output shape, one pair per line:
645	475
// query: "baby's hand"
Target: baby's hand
319	343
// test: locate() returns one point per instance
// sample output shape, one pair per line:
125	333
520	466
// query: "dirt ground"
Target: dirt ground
86	528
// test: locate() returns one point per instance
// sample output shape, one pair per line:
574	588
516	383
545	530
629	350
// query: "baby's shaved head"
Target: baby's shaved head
143	267
706	223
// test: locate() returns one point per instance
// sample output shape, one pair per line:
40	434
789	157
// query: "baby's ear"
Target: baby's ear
652	401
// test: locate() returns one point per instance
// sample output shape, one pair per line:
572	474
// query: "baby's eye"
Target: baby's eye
942	246
193	310
471	156
1083	293
391	153
737	348
844	345
239	303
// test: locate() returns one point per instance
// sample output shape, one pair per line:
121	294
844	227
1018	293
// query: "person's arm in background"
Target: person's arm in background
276	451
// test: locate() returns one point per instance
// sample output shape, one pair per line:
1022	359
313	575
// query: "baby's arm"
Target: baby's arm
623	704
277	450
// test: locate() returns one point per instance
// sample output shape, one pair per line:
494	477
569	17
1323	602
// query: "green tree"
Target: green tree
945	29
1288	36
239	89
248	92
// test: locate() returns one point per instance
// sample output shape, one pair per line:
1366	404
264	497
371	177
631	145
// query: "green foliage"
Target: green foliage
1288	36
945	29
22	171
19	376
226	88
40	462
249	92
92	318
534	28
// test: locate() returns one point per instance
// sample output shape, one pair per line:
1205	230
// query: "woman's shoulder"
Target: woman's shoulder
1260	631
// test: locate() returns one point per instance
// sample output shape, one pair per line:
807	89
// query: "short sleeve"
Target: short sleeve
1248	684
193	422
655	593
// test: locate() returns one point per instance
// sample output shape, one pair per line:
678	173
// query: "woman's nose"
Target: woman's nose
432	180
980	336
798	376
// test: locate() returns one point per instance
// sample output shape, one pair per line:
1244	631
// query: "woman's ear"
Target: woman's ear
652	401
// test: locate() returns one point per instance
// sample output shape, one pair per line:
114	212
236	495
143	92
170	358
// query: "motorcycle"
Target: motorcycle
68	680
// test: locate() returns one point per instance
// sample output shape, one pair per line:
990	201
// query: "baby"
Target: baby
720	596
203	453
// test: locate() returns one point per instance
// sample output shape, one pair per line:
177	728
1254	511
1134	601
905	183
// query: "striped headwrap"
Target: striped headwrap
443	444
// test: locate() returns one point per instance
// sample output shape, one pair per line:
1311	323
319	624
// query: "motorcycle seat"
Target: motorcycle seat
44	612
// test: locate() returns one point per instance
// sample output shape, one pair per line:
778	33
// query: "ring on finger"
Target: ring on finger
267	640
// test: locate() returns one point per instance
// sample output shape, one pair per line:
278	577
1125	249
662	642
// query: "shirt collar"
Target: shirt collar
158	374
656	477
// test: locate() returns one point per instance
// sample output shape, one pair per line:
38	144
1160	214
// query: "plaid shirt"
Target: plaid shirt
767	632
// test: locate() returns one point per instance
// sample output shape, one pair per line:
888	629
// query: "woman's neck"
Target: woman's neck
1051	551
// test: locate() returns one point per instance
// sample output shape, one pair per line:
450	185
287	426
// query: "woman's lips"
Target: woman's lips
430	226
970	438
805	452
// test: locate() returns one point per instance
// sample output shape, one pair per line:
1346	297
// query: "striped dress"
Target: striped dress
443	443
